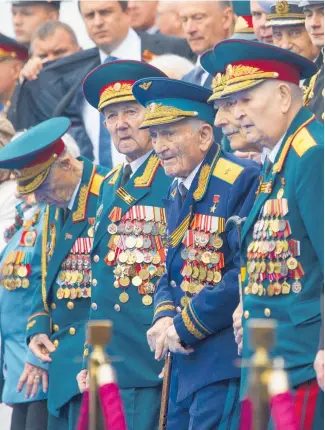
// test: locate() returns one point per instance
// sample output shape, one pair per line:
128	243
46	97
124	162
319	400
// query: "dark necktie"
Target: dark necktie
197	75
105	141
267	166
183	191
127	172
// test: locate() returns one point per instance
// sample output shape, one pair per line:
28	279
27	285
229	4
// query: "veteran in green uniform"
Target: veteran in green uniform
129	250
282	239
56	326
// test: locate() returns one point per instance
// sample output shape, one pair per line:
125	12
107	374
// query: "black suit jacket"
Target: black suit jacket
57	91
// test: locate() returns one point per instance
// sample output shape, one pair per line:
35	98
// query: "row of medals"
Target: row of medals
275	247
74	278
201	268
14	276
138	264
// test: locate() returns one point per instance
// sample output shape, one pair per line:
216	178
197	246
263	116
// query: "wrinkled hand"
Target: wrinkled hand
83	380
32	69
157	333
32	377
172	343
238	328
319	368
41	346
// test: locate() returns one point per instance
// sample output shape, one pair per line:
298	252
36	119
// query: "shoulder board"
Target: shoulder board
96	183
227	171
114	170
303	141
145	180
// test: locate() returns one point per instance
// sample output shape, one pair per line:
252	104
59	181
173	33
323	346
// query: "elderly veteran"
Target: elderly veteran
128	254
55	328
282	239
314	23
195	299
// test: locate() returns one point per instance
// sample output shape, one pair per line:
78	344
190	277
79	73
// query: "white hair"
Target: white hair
174	66
71	145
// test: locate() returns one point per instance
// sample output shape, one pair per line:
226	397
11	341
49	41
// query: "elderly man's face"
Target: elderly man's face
9	72
315	24
205	23
296	39
26	19
258	111
123	120
57	45
225	118
55	190
107	24
262	33
178	146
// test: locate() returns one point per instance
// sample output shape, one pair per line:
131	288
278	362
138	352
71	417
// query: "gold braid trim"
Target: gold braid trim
164	308
33	185
202	327
125	196
287	15
30	324
190	326
309	91
202	184
44	257
7	54
80	213
150	170
114	174
38	314
157	113
178	234
31	172
116	93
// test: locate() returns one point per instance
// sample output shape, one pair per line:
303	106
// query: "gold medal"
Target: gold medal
62	276
192	287
286	288
185	301
74	277
124	297
18	282
292	263
139	242
199	288
280	193
156	259
22	271
217	277
80	277
210	275
147	300
160	271
255	288
215	258
132	258
218	242
125	281
195	272
122	258
184	286
25	283
188	270
66	293
68	276
260	290
73	293
270	290
60	293
247	290
91	231
111	256
206	257
136	281
144	274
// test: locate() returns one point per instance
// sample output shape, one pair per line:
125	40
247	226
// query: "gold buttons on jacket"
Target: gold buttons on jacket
56	343
72	331
94	306
246	314
70	305
96	258
53	305
267	312
86	352
55	327
117	308
94	282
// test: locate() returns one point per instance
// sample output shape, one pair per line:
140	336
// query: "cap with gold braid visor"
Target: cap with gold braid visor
32	154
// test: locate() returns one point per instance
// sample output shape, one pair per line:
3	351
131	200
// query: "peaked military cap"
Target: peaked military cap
244	22
304	3
240	64
285	13
170	100
54	4
10	48
112	82
32	154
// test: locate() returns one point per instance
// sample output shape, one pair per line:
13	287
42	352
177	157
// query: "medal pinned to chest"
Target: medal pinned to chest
16	270
272	255
74	278
137	250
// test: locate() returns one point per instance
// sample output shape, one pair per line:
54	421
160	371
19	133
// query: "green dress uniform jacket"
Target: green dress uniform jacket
128	259
61	306
314	91
283	248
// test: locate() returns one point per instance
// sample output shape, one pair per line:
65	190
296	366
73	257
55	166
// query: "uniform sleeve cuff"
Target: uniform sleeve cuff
30	358
164	309
38	323
188	326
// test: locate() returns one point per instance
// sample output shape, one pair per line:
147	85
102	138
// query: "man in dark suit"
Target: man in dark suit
108	25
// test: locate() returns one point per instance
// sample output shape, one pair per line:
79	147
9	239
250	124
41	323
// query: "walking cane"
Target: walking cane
165	392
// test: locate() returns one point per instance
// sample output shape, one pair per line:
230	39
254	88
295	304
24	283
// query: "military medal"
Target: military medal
147	300
137	281
60	293
292	263
112	228
124	297
296	287
185	301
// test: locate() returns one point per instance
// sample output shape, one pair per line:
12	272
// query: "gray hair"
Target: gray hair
174	66
71	145
48	28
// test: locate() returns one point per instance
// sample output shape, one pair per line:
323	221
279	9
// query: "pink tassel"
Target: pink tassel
84	412
112	407
246	415
283	412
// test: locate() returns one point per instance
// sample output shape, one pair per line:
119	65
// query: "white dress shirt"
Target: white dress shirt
8	203
205	74
129	49
188	181
74	195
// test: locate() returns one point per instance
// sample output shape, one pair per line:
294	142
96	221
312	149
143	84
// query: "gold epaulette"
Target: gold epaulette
302	142
227	171
111	175
145	180
96	183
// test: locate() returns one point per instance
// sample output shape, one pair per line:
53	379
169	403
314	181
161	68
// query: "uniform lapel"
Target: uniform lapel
72	229
304	116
